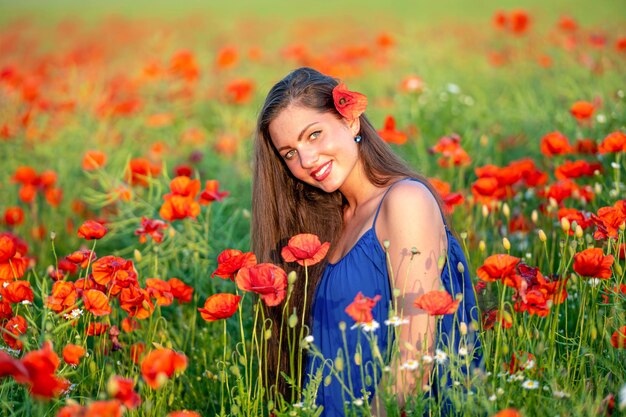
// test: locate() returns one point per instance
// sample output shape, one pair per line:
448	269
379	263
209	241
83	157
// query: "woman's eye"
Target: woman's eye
290	154
315	134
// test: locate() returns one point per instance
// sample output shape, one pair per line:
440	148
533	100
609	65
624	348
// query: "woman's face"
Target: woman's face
318	148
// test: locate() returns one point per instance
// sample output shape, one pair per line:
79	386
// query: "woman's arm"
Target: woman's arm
410	220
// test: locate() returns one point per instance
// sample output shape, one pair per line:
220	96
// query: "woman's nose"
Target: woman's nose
308	158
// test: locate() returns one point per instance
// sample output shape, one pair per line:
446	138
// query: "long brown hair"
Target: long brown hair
283	206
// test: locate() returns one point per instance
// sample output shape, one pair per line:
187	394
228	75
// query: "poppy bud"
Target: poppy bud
553	203
506	244
339	363
565	224
482	246
505	349
386	244
622	226
463	328
534	216
485	210
137	255
463	235
268	334
53	235
291	277
357	359
292	320
460	267
618	268
594	332
579	232
342	326
328	380
484	140
441	261
506	210
542	235
597	188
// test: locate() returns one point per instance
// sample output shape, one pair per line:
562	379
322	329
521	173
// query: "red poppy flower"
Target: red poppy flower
13	367
452	152
450	199
305	249
140	170
226	57
389	133
211	192
136	302
41	365
508	412
232	260
17	291
96	302
15	327
267	280
607	221
184	187
614	142
14	216
177	207
160	364
112	268
573	215
576	169
555	143
586	146
109	408
151	227
183	65
519	21
6	311
497	267
582	110
493	315
349	104
12	263
239	91
181	291
129	325
72	410
122	389
437	303
219	306
91	229
73	353
82	257
183	413
618	339
96	329
593	263
360	309
93	160
160	291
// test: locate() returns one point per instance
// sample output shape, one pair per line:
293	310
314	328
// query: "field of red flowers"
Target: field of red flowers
127	285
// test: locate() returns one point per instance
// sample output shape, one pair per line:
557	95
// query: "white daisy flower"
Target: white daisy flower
309	339
410	365
396	321
358	402
427	359
622	397
298	405
440	356
463	351
493	397
530	384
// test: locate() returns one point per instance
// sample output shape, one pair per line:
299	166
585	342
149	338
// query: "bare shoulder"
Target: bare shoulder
410	201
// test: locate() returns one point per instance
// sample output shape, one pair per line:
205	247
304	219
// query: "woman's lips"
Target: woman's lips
322	172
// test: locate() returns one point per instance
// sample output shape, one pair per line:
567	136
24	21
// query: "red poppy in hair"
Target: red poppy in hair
349	104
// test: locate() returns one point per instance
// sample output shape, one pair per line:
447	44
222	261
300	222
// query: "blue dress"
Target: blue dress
364	269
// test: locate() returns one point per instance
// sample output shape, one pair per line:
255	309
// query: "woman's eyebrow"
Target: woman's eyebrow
299	136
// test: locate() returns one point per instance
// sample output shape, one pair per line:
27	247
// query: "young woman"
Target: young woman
320	167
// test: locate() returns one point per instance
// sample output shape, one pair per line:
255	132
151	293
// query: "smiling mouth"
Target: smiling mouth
322	172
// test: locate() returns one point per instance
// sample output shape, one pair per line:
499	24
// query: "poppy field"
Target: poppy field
127	284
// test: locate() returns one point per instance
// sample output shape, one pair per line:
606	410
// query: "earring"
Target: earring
357	138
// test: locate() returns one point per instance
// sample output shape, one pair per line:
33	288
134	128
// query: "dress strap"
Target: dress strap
443	217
